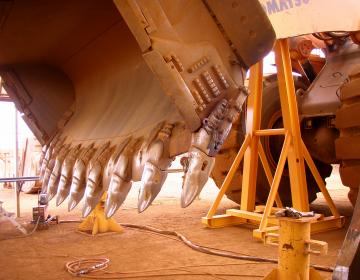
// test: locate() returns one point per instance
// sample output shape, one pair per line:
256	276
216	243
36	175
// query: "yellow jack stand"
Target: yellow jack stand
295	245
293	151
96	222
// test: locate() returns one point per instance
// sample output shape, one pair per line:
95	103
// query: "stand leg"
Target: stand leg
253	121
291	123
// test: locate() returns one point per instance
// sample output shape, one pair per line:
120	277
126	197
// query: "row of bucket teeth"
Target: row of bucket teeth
86	172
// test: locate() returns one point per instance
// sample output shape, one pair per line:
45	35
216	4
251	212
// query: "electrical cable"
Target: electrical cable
82	267
215	251
24	235
210	250
75	267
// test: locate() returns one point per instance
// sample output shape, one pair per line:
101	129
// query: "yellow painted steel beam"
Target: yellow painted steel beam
260	209
250	215
275	184
291	123
229	177
219	221
253	121
327	223
319	181
270	132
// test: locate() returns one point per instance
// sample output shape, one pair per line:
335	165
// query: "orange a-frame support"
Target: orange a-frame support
293	151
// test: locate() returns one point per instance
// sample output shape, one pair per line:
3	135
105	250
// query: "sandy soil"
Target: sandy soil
44	254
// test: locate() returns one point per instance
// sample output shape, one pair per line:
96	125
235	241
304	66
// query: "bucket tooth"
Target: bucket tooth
56	172
198	169
50	163
118	189
152	180
47	174
93	190
197	166
117	193
66	174
206	143
46	156
42	162
94	185
52	150
120	182
78	182
110	166
157	160
77	191
62	194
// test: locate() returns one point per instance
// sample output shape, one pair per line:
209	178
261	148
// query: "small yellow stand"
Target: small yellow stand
293	151
295	245
96	222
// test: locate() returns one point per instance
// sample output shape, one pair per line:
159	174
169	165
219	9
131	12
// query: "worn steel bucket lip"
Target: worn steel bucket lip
90	203
92	196
60	198
50	195
144	205
63	192
112	207
149	190
186	202
74	201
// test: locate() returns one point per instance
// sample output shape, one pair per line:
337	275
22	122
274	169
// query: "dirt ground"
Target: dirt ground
43	254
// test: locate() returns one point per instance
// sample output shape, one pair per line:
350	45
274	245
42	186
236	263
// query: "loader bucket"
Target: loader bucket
89	72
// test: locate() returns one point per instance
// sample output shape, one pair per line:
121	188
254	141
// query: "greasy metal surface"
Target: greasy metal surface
320	140
347	145
322	97
189	54
256	29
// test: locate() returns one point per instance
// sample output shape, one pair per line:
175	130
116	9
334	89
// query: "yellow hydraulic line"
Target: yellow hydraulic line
319	181
268	174
229	176
275	184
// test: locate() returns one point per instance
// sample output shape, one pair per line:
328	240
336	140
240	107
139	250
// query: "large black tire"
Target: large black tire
347	146
271	118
